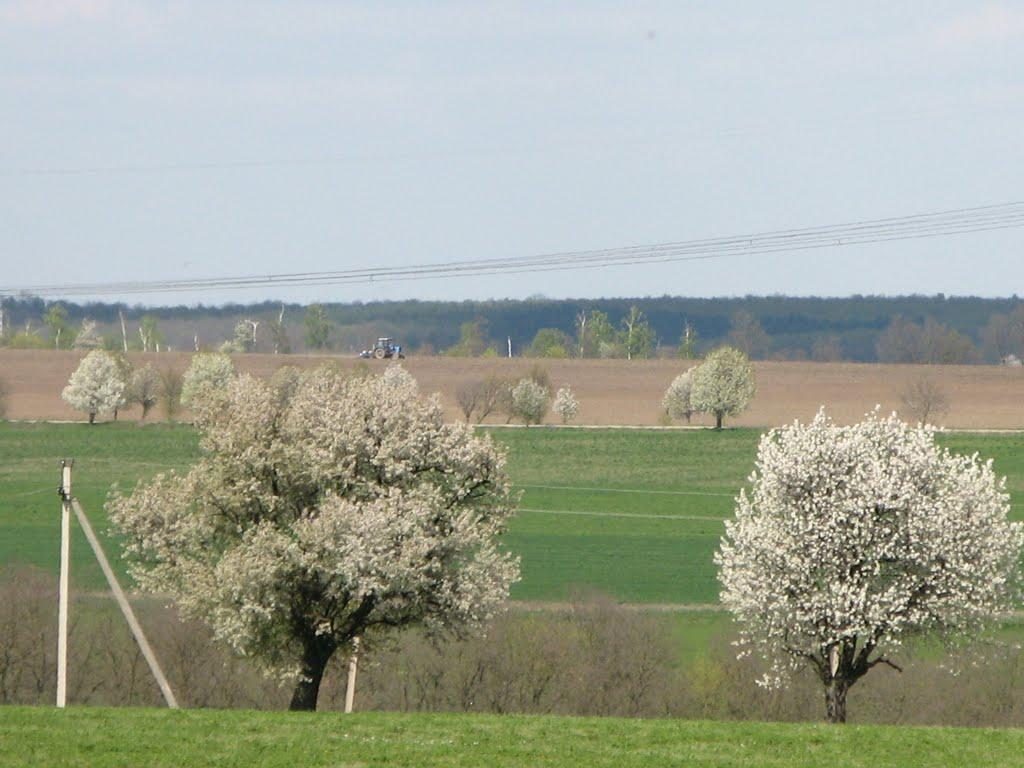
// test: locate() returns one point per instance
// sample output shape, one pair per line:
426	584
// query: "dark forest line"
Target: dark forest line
860	328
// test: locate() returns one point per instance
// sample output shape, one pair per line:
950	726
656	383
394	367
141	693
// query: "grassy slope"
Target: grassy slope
103	738
636	547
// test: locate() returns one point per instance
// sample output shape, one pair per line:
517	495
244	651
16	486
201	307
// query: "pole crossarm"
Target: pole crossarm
126	608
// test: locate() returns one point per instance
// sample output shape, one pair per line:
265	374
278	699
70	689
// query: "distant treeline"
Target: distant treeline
937	329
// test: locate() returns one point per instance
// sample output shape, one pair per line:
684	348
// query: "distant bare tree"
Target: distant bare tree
925	398
492	391
748	336
171	383
144	388
467	396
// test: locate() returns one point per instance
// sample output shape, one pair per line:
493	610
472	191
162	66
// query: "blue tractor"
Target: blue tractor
383	349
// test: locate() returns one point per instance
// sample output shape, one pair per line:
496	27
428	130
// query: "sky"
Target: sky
157	140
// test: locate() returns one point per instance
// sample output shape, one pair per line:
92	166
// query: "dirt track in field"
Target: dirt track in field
610	392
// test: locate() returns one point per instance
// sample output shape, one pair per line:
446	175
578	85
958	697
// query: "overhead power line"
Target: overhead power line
916	226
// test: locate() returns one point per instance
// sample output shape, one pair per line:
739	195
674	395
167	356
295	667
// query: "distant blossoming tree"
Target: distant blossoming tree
565	404
396	376
205	372
677	400
529	401
344	511
855	538
96	386
723	385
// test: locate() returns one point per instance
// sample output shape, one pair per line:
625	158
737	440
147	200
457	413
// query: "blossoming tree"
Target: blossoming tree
854	538
677	402
529	401
206	371
96	386
342	511
565	404
723	385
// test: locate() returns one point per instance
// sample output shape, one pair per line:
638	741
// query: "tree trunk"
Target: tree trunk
835	701
718	419
314	661
92	417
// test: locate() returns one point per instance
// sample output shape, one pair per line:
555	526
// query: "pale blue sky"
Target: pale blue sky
391	133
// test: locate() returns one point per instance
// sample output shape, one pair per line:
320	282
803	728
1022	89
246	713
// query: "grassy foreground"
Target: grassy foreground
102	738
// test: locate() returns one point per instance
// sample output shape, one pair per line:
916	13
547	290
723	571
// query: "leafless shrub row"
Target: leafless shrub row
595	658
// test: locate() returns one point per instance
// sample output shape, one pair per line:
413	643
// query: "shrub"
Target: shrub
565	404
529	401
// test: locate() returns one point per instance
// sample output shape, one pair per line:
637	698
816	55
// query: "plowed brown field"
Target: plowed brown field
610	392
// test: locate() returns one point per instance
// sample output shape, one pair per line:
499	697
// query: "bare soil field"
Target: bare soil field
610	392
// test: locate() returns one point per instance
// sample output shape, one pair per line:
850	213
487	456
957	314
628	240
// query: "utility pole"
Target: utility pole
68	502
350	687
62	590
124	331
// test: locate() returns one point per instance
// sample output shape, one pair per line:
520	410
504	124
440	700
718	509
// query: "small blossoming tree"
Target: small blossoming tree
206	372
96	386
676	402
343	511
529	401
565	404
856	538
723	385
396	376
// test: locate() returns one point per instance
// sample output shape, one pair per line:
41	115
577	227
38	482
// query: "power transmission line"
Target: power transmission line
916	226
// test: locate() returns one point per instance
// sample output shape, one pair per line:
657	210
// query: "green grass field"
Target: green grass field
631	513
104	738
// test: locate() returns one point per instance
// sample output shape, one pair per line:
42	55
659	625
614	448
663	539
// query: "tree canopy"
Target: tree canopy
342	510
854	538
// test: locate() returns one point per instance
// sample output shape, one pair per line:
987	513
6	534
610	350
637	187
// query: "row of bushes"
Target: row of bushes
592	657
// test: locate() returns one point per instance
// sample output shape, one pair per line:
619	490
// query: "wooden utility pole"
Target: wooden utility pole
350	687
67	503
62	589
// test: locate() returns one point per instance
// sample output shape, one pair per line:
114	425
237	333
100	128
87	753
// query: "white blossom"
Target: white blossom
565	404
723	385
205	373
854	538
96	386
529	401
396	376
343	511
676	401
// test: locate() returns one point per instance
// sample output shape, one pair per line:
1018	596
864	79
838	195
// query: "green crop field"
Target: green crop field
631	513
103	738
